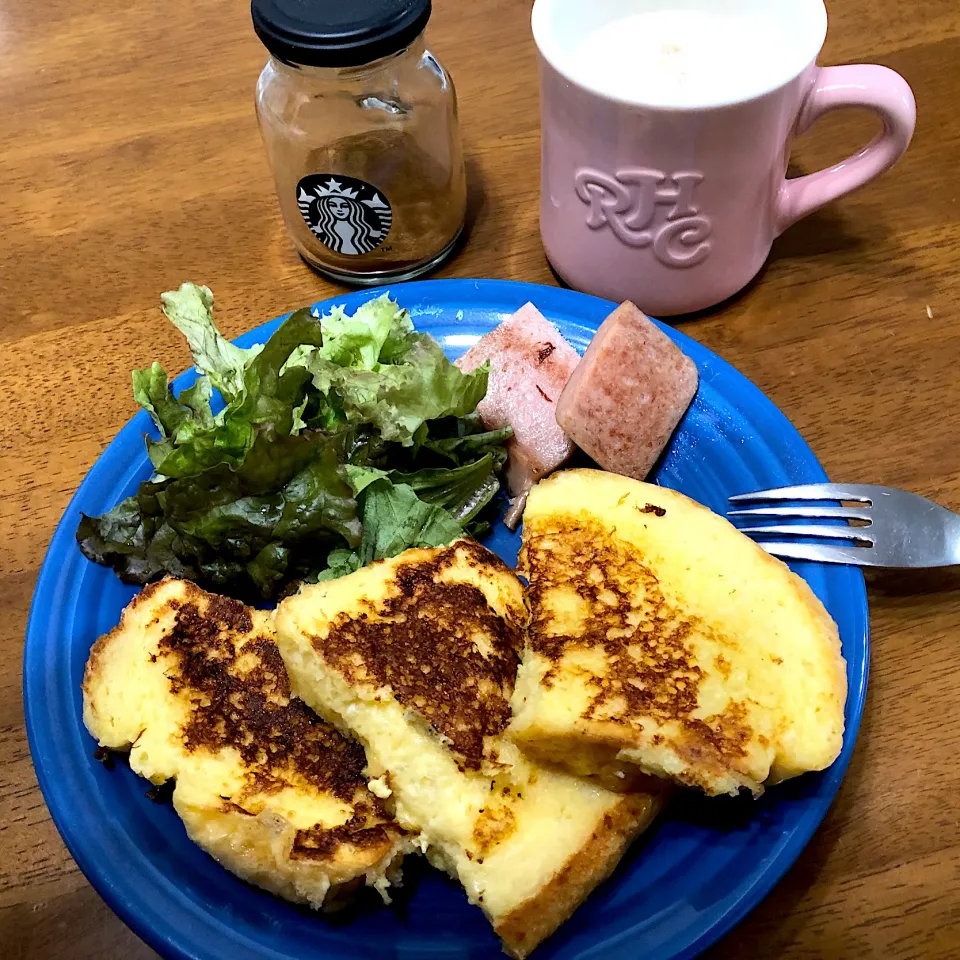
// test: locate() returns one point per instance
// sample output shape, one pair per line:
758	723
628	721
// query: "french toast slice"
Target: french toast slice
415	656
193	686
663	639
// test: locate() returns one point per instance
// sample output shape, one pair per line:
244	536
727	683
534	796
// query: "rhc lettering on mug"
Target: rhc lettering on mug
628	204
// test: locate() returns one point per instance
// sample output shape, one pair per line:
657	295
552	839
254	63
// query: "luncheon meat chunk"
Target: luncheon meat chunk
530	364
627	395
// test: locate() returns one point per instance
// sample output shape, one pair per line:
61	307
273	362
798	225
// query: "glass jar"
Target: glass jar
359	120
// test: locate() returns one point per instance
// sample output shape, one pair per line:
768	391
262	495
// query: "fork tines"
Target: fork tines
775	504
857	492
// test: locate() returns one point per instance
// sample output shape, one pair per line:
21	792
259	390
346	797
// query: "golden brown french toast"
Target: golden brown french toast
193	686
661	638
415	656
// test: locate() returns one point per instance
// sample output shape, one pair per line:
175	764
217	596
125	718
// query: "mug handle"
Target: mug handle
871	87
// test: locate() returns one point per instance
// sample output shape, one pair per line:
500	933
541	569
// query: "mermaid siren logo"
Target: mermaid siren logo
347	215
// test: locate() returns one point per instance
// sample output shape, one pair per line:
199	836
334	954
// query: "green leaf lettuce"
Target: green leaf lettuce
341	440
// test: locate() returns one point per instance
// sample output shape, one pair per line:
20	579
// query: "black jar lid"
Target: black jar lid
338	33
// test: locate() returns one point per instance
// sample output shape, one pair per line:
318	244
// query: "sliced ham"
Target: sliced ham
530	363
628	393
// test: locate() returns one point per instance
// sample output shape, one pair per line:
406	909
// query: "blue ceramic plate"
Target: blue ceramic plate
696	873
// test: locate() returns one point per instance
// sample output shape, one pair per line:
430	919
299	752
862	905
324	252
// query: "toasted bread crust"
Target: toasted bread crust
534	920
103	643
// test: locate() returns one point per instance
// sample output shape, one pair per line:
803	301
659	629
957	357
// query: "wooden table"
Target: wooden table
130	160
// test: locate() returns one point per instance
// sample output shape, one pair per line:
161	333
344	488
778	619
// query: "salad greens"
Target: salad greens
341	440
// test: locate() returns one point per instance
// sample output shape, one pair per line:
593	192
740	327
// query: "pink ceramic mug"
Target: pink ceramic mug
672	198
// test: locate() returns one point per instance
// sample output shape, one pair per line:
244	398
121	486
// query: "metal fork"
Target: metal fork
899	529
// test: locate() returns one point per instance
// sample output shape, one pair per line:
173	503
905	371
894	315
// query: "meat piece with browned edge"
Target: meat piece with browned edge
530	364
628	393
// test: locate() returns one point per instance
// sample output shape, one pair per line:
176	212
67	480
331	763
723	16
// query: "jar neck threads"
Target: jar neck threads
366	71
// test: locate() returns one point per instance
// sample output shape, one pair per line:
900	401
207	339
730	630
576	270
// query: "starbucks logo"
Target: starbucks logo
345	214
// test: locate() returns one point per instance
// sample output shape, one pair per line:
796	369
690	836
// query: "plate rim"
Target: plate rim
750	897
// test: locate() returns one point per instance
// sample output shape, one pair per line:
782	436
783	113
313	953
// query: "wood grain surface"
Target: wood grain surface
130	161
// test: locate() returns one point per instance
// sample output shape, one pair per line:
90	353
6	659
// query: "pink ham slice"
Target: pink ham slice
628	393
530	364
